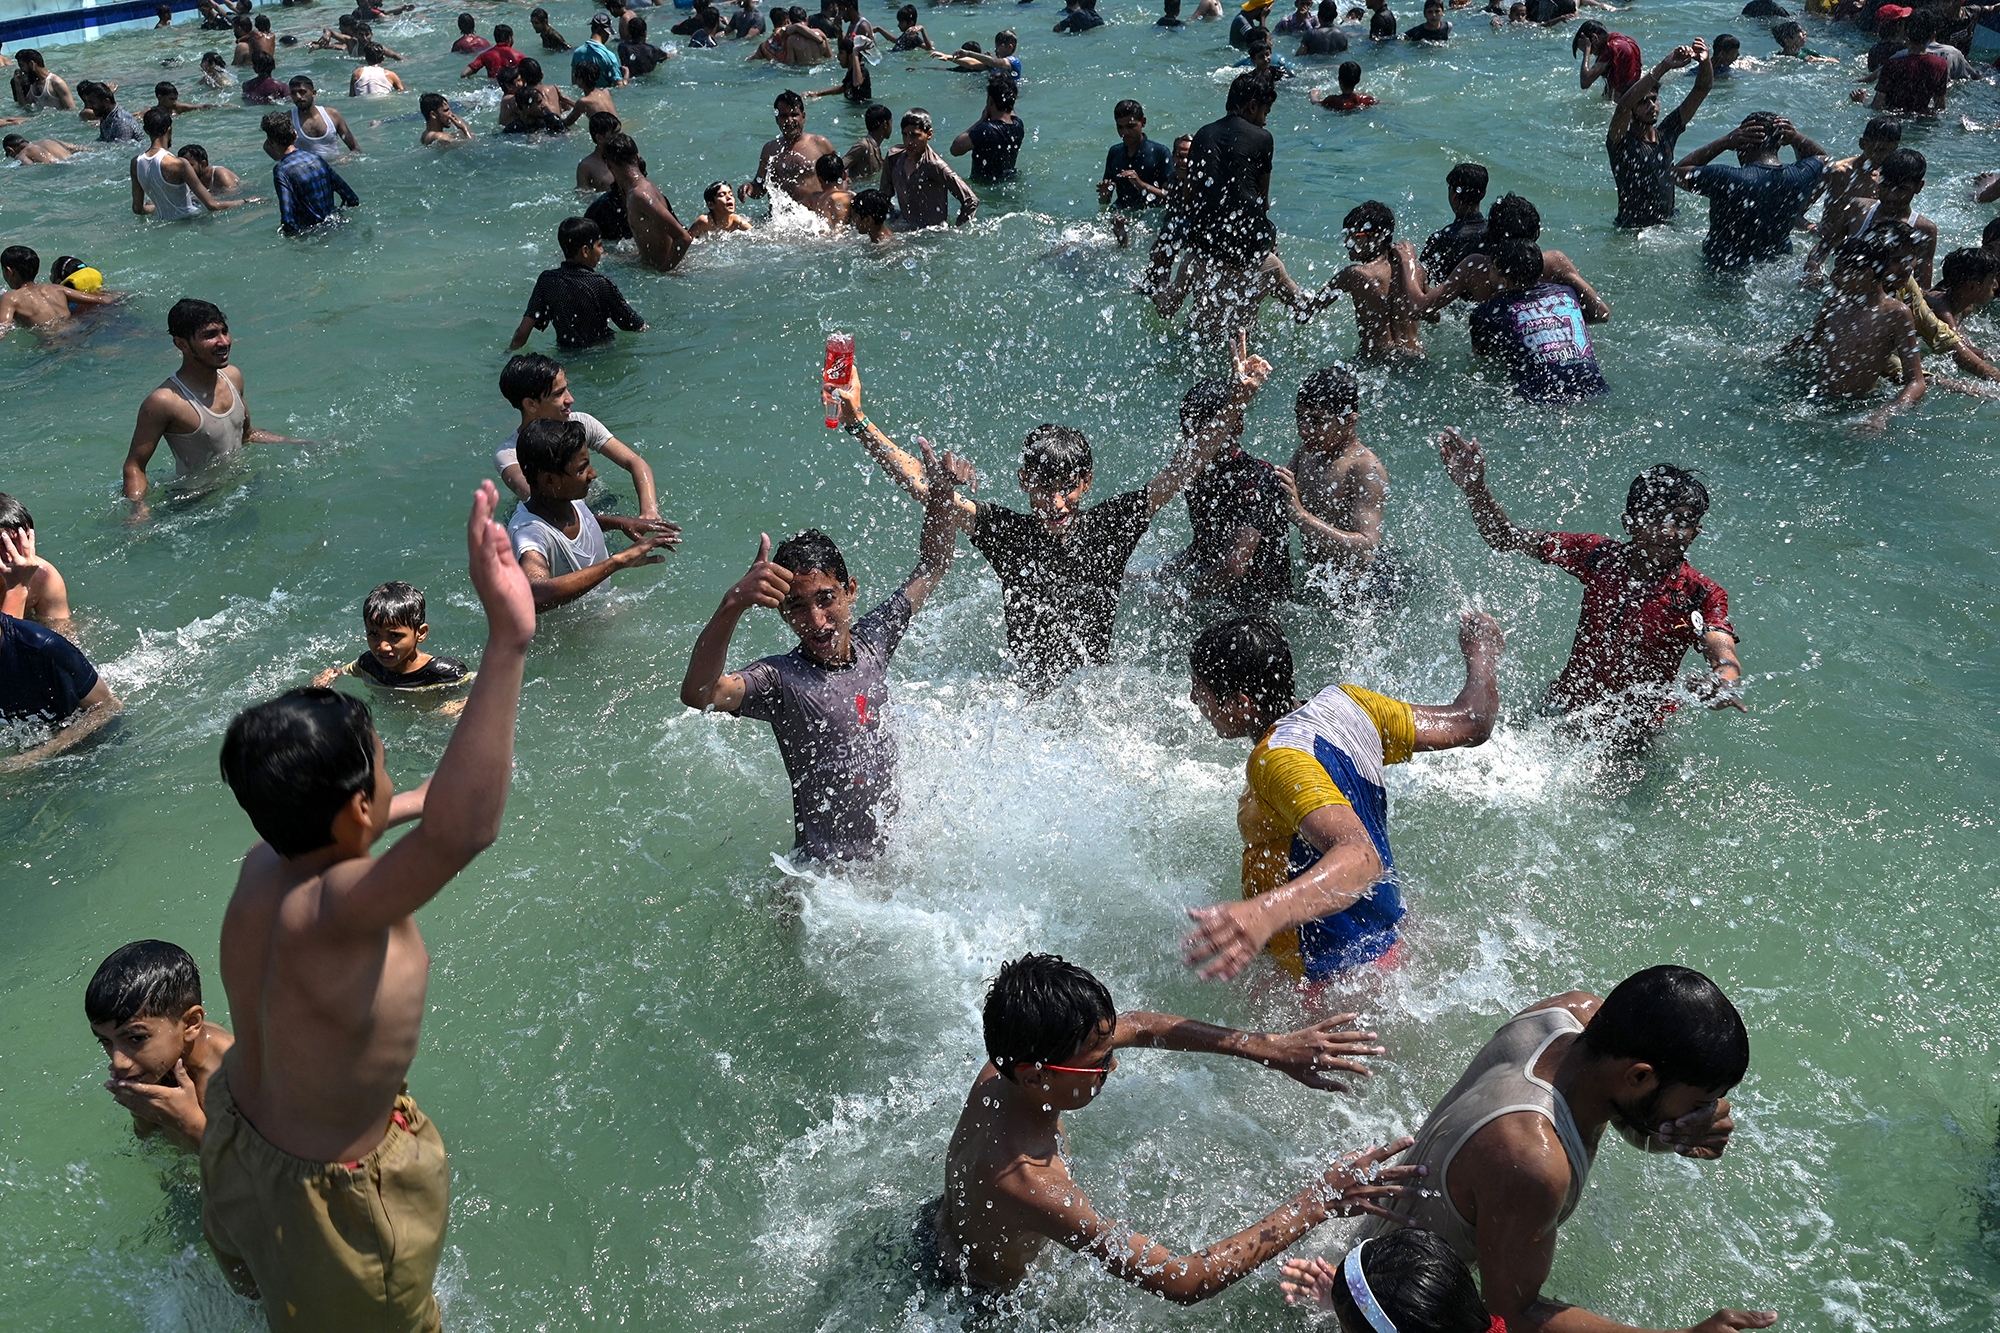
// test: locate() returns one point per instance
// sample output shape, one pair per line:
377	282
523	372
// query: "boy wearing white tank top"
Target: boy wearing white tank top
167	186
322	131
200	410
1508	1148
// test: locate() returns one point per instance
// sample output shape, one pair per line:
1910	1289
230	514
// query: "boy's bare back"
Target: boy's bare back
1852	344
1385	322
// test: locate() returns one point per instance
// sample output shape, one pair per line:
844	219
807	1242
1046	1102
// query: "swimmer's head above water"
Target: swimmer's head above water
1242	676
1050	1022
144	1007
818	604
1055	473
307	768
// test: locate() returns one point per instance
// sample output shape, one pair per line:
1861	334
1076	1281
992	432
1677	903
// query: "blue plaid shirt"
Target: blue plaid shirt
306	186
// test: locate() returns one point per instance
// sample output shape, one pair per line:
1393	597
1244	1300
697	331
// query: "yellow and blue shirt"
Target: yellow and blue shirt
1331	751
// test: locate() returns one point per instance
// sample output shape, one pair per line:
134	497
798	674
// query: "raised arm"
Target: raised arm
1466	466
1194	456
1468	719
1621	117
706	685
1308	1055
939	541
1704	83
901	467
467	795
617	451
1347	1189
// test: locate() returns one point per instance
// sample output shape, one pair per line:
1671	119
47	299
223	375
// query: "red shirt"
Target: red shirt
1625	66
1347	101
496	58
1912	84
1632	632
470	43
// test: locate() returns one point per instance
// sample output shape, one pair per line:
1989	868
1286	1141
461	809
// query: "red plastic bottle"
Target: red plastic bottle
839	370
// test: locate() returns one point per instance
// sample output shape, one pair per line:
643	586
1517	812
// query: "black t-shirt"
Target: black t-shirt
995	146
1060	597
1451	243
437	673
1153	164
1882	51
1424	33
582	303
1220	208
1548	11
640	58
1644	173
1322	42
1235	492
42	674
608	212
1080	20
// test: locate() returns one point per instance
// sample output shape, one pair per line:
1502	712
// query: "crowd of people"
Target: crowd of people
326	1189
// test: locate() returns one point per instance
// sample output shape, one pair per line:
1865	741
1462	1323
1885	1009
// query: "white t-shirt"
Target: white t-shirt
595	433
566	555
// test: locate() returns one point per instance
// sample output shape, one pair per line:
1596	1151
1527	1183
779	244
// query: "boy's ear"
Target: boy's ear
423	632
192	1020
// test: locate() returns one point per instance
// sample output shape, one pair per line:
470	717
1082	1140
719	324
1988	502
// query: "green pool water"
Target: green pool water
683	1089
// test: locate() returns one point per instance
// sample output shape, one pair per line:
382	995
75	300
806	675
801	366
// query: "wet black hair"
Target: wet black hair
876	114
1883	129
585	74
1251	89
21	260
1205	400
1258	40
1420	1283
572	234
1467	178
812	551
636	27
28	55
1055	457
1248	655
907	12
1663	488
91	88
277	127
190	316
873	205
529	71
1331	391
1905	166
788	99
1518	261
1586	31
13	143
1726	42
14	515
1878	250
194	152
1513	218
1002	91
394	603
1989	239
295	761
1968	265
916	118
373	54
1128	107
1042	1010
830	168
714	188
503	34
303	81
1785	31
165	89
1373	215
263	64
529	375
620	150
466	23
545	448
1349	74
1005	35
157	121
431	103
143	979
1679	1022
603	123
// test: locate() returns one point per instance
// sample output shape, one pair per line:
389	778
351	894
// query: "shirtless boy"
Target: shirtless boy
144	1008
1899	180
1971	278
835	196
591	173
1857	175
1385	321
1336	485
38	304
1862	334
825	698
1511	1144
787	161
443	127
1477	279
1052	1037
659	235
1644	605
200	410
326	973
42	597
32	151
721	215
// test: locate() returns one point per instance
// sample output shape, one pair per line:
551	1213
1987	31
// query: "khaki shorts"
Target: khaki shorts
328	1247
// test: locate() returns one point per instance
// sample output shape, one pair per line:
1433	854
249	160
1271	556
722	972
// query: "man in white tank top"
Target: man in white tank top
167	186
1507	1150
321	129
200	410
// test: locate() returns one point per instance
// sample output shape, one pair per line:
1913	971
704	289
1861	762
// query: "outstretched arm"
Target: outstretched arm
1704	83
706	685
940	536
901	467
467	795
1309	1055
1466	466
1621	117
625	456
93	711
1468	719
1228	936
1194	456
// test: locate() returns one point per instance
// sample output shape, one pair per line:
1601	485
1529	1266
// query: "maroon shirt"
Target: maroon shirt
1632	632
496	58
470	44
1913	84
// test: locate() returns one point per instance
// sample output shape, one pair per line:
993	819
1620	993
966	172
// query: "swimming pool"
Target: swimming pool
683	1089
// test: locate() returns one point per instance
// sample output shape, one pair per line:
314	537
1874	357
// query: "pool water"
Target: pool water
683	1087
